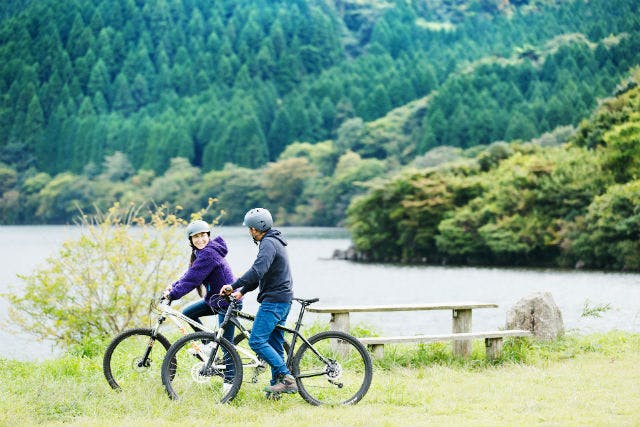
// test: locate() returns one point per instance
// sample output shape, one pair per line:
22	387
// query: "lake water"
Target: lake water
24	248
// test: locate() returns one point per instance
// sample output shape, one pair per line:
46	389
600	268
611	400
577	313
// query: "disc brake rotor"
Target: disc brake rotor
196	374
334	371
138	366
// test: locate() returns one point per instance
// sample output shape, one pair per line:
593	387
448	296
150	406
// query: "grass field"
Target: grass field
579	380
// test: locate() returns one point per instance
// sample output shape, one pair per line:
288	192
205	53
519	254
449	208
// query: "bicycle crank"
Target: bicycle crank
256	372
140	365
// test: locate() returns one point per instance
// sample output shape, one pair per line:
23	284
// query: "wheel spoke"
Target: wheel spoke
133	357
188	373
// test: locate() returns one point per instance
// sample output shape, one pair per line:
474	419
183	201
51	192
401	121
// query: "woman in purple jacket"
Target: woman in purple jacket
208	268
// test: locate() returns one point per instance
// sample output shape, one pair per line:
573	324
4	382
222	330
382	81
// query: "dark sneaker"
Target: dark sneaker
286	385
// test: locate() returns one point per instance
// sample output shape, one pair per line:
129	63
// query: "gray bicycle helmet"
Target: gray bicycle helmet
197	226
258	218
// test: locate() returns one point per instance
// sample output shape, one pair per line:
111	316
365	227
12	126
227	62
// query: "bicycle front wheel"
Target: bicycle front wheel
197	366
335	370
134	356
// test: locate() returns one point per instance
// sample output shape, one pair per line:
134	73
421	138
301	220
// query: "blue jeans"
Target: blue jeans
266	340
200	309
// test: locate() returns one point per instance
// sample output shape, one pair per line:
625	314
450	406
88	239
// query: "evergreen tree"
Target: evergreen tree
80	38
297	111
123	101
225	71
99	80
281	133
100	103
207	133
140	91
265	62
83	67
244	140
33	132
105	52
377	104
50	92
328	114
520	127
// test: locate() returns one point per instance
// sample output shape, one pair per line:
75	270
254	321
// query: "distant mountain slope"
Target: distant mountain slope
293	104
239	81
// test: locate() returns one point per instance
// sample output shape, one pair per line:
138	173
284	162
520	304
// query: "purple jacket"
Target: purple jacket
211	269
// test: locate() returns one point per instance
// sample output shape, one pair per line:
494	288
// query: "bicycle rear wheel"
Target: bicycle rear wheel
339	371
187	373
134	356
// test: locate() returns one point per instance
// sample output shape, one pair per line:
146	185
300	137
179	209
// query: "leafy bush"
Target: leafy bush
509	205
609	234
102	282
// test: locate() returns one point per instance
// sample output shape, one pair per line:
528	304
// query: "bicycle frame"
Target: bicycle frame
165	311
295	332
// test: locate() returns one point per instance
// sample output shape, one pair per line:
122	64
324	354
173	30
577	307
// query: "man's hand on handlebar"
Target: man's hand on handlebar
227	290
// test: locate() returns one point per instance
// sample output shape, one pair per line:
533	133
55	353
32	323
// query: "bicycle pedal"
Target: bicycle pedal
195	354
273	396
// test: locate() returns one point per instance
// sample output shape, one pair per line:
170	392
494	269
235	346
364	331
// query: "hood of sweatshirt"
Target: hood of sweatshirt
219	245
276	234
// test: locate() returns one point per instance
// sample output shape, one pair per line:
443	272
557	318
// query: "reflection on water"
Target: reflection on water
343	282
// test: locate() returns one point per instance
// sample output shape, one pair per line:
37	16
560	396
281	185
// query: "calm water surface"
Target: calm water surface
23	249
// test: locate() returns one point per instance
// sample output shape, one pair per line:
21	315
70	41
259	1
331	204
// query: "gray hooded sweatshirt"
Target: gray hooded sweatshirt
270	271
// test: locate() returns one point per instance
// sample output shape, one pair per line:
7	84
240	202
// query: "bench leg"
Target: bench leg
493	347
376	350
462	323
339	322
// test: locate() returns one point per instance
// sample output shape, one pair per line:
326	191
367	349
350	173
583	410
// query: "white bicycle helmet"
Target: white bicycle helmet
198	226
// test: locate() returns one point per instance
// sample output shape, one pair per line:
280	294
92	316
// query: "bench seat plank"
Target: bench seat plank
492	340
404	307
445	337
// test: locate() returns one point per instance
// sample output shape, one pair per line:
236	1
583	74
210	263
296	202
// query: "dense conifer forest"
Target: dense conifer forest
301	105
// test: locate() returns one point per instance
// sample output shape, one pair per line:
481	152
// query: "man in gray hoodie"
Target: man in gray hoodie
269	273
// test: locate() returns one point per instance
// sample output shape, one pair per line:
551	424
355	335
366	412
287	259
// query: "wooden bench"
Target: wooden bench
461	315
492	340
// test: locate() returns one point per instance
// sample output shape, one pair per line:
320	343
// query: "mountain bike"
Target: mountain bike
136	354
330	367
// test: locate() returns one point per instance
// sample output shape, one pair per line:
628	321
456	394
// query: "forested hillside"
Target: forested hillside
288	104
574	205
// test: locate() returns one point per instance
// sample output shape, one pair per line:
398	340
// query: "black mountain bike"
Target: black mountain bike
330	368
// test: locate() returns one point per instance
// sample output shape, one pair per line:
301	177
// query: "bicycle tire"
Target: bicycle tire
122	365
344	381
182	369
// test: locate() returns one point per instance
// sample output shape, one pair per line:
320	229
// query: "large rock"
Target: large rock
539	314
349	254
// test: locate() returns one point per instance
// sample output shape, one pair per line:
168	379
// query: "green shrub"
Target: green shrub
101	282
